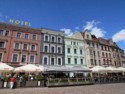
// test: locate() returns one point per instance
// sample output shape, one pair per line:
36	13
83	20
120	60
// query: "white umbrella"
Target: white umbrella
98	69
5	68
121	69
28	68
111	69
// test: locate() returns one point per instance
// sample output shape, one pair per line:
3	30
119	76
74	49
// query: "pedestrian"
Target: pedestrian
12	80
21	81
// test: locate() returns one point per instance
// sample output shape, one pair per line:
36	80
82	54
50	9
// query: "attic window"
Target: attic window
87	36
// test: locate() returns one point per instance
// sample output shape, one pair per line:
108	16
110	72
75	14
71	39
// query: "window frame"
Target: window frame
26	37
33	35
17	35
30	59
21	58
17	57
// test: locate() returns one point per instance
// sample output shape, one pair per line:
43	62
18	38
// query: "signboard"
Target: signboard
20	22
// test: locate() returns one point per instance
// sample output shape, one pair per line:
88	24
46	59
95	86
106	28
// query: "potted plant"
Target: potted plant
39	79
6	80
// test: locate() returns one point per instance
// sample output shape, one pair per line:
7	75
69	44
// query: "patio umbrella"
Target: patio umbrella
98	69
28	68
111	69
5	68
121	69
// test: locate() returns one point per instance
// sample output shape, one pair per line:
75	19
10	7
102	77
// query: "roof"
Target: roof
13	27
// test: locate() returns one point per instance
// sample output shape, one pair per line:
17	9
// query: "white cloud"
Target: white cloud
119	36
89	25
92	26
98	32
68	32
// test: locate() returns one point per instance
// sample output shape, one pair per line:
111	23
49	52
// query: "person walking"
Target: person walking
21	81
12	80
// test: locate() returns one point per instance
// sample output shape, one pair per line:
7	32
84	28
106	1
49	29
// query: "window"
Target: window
18	35
1	32
34	37
46	38
99	62
32	58
53	39
52	61
2	44
1	56
26	36
80	51
16	46
104	61
109	55
59	40
15	57
88	43
59	61
68	50
69	60
105	47
24	46
102	47
52	49
91	52
87	36
91	61
74	43
94	53
98	53
95	62
59	50
7	33
93	45
75	61
108	49
46	48
23	58
97	45
103	54
81	61
106	55
45	60
33	47
75	51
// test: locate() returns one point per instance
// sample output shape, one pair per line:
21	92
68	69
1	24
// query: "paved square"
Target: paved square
118	88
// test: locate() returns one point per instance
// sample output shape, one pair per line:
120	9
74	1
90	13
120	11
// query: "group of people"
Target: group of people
18	79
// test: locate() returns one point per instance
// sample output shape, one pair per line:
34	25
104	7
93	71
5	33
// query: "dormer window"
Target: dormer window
87	36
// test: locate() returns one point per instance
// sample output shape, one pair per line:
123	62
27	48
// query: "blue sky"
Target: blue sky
104	18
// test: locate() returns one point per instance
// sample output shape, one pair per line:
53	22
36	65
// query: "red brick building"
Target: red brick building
19	45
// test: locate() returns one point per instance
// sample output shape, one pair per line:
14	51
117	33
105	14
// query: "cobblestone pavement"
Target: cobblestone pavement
118	88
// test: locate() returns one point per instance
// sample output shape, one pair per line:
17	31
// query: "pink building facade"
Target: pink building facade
19	45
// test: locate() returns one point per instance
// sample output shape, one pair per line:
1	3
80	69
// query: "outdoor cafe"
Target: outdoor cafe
31	75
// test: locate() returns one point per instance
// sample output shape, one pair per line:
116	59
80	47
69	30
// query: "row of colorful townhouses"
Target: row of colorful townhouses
20	45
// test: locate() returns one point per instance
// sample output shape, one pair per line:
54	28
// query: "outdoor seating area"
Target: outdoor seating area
47	76
108	74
